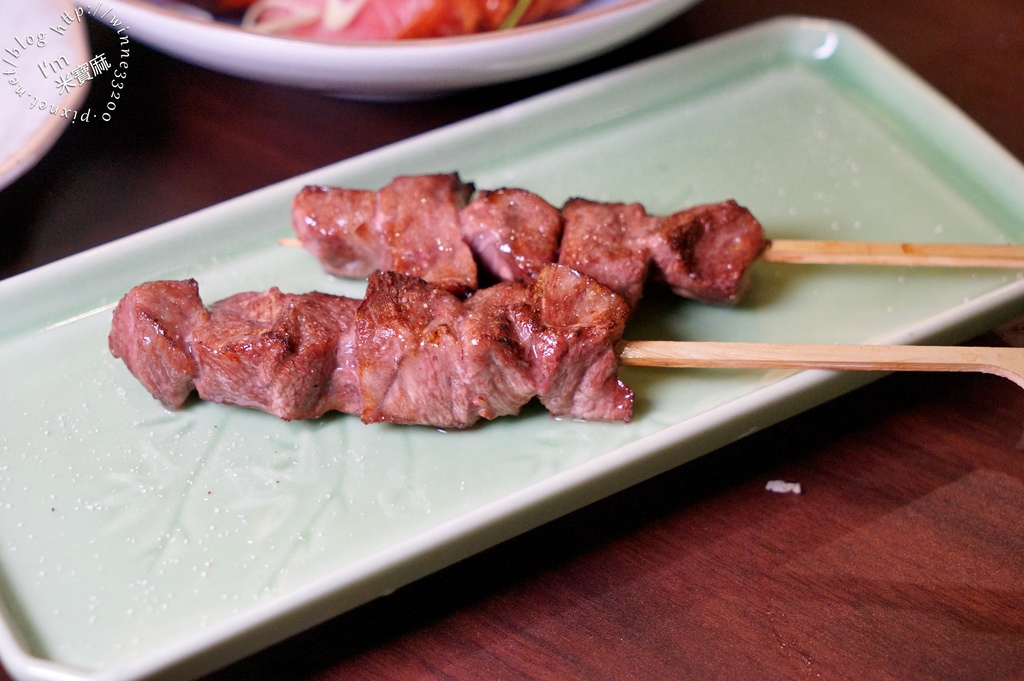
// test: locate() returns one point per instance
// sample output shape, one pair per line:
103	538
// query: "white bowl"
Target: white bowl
403	69
33	111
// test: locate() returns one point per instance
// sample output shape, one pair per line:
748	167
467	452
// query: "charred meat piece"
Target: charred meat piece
276	352
410	352
421	219
513	233
498	364
340	227
411	226
271	351
705	252
572	344
609	242
424	355
150	333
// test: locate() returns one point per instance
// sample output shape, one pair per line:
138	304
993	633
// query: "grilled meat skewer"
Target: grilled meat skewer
438	228
409	352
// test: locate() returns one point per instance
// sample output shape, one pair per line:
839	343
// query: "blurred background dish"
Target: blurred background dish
393	70
34	110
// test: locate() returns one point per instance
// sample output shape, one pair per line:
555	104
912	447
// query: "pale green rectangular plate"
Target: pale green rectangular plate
135	541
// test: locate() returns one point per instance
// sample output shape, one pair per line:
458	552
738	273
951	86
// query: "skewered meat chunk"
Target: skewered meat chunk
572	346
340	227
513	233
610	242
276	352
409	352
425	354
151	330
705	252
702	253
410	226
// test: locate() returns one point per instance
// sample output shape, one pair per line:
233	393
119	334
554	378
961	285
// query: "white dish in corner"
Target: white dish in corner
32	109
404	69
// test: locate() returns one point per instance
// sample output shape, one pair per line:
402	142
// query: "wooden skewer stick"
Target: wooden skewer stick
1005	362
807	252
884	253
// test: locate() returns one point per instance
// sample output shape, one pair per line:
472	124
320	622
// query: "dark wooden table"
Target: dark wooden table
904	556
